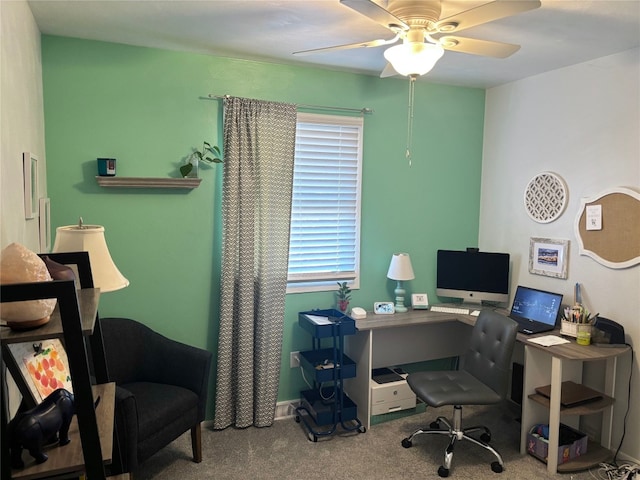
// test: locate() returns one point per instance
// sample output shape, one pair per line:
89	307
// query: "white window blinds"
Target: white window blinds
325	213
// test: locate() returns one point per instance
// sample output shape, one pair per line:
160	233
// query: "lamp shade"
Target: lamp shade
90	238
414	58
400	267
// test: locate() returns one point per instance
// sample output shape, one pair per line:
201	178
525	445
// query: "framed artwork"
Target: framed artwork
419	301
545	197
42	368
45	225
548	257
30	173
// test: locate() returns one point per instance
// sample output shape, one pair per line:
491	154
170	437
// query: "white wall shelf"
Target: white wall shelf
144	182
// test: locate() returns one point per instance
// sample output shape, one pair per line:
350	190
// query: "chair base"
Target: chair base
456	433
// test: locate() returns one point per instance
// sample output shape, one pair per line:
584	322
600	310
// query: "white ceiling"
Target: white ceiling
560	33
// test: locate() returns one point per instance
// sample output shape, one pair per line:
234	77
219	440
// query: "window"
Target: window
325	212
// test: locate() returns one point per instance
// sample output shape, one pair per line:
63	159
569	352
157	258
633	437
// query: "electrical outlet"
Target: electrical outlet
294	359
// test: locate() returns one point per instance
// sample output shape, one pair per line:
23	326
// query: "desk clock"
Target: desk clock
384	308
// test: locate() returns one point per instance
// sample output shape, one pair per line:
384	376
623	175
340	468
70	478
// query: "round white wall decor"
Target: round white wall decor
545	197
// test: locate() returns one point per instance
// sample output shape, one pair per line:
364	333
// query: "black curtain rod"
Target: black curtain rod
364	111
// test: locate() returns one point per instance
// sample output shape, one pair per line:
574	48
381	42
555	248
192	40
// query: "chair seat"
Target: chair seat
159	405
455	387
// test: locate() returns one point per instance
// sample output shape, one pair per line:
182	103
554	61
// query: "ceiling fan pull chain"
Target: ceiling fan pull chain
412	81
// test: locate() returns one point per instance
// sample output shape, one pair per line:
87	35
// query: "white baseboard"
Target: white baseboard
284	410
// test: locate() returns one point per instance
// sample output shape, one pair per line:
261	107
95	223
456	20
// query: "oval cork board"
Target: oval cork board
616	244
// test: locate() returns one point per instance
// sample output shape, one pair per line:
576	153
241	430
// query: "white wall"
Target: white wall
581	122
21	119
21	128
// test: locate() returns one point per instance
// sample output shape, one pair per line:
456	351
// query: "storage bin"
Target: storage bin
572	443
571	329
327	410
314	361
327	323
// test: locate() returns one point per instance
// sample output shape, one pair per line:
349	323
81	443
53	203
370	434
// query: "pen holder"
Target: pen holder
583	338
572	329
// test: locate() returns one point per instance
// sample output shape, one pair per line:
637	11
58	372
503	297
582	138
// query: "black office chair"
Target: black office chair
481	380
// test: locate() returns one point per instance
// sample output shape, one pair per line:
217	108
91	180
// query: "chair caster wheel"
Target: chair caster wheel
496	467
406	443
443	472
362	429
485	437
297	418
434	425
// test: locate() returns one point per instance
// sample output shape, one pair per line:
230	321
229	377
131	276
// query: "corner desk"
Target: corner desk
421	335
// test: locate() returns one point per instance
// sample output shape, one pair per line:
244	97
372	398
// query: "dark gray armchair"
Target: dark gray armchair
161	391
481	380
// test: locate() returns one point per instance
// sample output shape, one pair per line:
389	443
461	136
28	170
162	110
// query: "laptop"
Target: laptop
572	394
534	310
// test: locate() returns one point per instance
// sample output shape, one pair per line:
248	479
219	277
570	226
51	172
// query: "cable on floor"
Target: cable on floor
608	471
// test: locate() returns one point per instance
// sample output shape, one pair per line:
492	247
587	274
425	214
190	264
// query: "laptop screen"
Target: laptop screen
536	305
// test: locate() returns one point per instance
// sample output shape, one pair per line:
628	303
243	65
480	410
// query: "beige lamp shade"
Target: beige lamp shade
400	267
90	238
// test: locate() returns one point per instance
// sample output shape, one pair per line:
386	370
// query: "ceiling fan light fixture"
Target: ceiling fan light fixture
414	58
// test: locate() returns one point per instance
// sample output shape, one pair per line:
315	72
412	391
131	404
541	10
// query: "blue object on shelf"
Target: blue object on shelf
327	323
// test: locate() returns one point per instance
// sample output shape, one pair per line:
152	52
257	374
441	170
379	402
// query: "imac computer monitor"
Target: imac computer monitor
473	276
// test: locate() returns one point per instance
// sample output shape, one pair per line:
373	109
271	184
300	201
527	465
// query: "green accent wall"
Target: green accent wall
148	108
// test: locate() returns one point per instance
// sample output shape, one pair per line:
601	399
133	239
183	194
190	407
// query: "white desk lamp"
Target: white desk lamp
400	270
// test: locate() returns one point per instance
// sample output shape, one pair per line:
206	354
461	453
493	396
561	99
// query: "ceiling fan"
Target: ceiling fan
425	36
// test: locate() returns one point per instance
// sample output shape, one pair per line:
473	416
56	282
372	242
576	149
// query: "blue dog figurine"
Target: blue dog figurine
34	428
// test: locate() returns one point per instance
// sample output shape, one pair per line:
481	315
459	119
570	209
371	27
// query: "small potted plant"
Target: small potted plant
344	295
208	154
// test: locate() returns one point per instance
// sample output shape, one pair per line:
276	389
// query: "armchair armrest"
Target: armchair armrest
176	363
125	451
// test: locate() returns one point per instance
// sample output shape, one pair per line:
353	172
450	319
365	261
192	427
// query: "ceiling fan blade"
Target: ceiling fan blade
485	13
376	13
388	71
372	43
478	47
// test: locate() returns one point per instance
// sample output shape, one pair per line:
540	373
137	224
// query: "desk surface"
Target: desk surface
571	350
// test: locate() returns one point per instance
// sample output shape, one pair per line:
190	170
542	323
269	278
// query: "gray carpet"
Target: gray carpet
283	451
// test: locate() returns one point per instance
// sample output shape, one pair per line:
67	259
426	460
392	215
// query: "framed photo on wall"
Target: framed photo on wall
45	225
30	173
548	257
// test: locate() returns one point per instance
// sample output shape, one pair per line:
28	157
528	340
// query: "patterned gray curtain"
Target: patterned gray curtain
259	149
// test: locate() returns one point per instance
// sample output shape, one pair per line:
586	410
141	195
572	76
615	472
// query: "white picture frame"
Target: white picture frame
45	224
419	301
549	257
30	174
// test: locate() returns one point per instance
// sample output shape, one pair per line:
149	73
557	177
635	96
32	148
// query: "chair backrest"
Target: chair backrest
489	355
128	347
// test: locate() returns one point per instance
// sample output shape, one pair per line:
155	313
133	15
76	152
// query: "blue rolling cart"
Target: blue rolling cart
325	406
